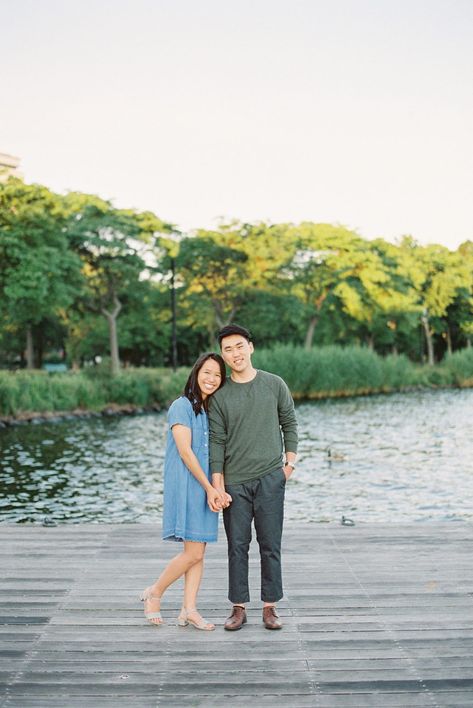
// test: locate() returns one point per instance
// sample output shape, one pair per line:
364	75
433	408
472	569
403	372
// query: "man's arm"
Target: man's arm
290	464
288	423
218	439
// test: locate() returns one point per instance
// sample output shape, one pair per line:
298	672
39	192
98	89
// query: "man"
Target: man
246	418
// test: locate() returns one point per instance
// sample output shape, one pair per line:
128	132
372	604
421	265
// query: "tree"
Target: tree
269	249
39	275
463	318
271	317
106	239
163	240
439	276
215	273
395	306
332	264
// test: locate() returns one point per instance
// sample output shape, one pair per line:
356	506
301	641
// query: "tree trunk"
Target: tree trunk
112	329
370	341
428	337
212	338
39	347
29	353
309	337
468	342
449	340
220	317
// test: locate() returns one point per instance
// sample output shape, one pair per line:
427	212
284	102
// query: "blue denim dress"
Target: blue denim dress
186	515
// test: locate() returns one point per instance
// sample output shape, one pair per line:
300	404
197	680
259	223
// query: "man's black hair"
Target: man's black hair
230	329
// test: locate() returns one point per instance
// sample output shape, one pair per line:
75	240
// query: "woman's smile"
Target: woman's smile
209	378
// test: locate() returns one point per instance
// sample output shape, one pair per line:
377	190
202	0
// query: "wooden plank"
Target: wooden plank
375	615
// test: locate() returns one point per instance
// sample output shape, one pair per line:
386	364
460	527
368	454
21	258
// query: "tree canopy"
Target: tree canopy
81	279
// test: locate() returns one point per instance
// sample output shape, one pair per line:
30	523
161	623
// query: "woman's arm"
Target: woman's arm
183	438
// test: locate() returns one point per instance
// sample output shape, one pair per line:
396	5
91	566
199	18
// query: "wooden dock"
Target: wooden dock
375	615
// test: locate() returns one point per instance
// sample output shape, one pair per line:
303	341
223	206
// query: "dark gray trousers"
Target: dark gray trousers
260	499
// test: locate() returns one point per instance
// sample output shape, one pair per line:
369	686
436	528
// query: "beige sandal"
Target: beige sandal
151	616
183	620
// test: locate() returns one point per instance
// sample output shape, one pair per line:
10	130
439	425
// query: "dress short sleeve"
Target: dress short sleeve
180	412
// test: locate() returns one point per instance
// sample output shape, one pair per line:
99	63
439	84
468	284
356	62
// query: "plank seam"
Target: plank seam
387	628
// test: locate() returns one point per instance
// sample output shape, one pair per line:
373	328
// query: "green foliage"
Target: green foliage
273	317
344	371
138	386
79	275
146	387
460	366
434	376
215	272
324	370
38	391
171	384
321	372
105	239
398	372
39	274
35	391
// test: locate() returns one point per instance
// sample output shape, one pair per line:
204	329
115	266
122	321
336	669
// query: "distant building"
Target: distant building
9	166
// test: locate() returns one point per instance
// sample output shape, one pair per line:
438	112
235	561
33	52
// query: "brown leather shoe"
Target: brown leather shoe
236	620
271	618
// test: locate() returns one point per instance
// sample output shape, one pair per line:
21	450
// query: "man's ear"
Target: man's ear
251	347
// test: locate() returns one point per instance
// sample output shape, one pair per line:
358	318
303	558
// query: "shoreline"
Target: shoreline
131	409
109	411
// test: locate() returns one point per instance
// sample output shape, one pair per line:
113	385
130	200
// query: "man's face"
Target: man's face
236	352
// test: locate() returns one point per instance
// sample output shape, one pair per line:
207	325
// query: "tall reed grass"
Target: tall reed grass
460	366
337	371
38	391
318	373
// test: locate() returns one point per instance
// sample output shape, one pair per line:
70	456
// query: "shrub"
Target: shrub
316	373
460	366
334	370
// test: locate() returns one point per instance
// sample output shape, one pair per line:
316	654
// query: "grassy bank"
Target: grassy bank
320	373
332	371
93	390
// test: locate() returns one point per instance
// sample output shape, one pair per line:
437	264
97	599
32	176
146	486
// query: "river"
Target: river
397	458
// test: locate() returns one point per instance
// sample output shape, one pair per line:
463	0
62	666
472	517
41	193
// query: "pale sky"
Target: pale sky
357	112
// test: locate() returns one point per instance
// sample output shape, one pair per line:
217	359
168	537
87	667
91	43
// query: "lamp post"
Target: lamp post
175	237
173	315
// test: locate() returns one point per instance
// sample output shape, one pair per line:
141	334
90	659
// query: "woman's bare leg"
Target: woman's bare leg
192	581
192	555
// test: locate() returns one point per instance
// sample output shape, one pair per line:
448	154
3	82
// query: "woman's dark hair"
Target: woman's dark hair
230	329
192	390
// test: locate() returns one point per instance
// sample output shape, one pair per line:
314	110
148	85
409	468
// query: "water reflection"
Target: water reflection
406	457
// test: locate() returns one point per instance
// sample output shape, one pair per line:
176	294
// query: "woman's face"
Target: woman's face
209	378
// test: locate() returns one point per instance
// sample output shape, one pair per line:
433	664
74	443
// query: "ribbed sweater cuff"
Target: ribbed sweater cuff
290	446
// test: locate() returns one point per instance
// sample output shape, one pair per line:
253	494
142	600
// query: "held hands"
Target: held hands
218	499
227	500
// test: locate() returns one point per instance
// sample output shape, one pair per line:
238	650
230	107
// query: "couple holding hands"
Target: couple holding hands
225	452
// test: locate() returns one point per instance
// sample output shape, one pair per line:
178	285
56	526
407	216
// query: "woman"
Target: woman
191	504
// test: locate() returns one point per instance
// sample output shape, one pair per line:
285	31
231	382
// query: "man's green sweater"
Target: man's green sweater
246	420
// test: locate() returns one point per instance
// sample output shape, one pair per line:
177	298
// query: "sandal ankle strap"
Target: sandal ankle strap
149	596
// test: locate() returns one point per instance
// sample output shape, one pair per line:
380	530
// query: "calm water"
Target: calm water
406	457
